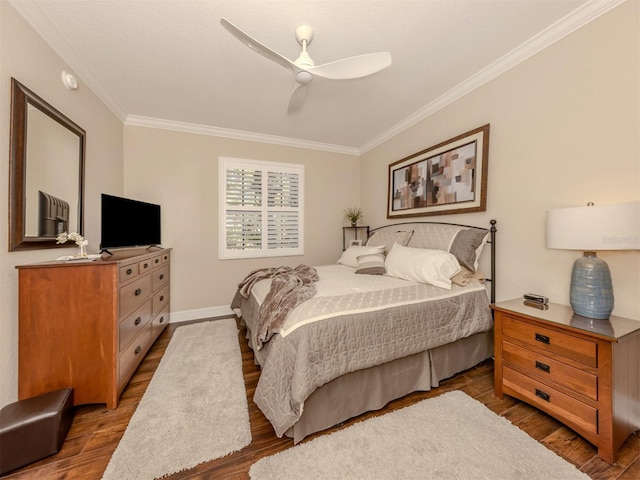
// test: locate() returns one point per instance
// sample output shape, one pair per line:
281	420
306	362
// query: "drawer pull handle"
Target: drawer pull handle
162	276
161	297
129	271
146	265
157	260
138	349
543	366
138	320
138	292
161	319
542	338
544	396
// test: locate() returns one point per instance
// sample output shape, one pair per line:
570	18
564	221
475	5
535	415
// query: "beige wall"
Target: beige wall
180	172
565	130
26	57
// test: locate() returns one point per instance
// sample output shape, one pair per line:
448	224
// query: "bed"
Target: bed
365	338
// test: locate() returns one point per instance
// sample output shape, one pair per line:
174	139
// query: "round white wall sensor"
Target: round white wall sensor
69	80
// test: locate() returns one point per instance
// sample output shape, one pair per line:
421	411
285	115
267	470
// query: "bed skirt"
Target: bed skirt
372	388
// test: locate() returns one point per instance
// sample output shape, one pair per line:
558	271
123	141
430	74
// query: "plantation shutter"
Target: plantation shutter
261	208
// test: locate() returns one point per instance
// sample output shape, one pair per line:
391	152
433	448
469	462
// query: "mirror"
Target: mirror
46	172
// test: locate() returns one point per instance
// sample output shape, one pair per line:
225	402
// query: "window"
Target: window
261	208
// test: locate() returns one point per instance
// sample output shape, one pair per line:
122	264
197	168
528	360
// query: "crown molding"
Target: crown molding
140	121
560	29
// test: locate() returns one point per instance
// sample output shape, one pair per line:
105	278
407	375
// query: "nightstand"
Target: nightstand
584	372
364	234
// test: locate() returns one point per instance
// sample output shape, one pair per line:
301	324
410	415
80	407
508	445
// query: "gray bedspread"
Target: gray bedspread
304	358
289	288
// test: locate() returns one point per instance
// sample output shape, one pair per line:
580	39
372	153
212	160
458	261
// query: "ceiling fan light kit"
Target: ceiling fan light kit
304	68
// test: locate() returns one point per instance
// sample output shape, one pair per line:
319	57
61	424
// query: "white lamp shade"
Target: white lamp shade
593	228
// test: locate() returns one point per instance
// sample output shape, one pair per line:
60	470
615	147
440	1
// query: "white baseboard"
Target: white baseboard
197	314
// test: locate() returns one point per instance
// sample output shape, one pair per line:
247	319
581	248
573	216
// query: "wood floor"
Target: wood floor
95	432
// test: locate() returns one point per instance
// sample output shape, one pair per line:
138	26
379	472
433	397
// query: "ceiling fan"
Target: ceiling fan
304	68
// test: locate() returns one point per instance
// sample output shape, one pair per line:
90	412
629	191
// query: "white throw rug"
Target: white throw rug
194	409
447	437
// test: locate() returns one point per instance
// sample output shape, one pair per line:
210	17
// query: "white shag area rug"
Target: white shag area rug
194	409
450	436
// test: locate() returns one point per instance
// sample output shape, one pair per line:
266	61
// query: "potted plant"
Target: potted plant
354	215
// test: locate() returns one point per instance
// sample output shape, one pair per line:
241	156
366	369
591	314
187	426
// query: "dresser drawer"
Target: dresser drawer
133	324
127	272
551	400
145	266
166	257
156	261
160	321
160	300
133	354
135	294
570	377
574	348
160	277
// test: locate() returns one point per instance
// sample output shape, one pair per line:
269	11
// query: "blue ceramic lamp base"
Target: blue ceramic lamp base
591	292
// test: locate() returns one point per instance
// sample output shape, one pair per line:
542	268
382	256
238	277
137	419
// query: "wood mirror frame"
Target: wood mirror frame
21	100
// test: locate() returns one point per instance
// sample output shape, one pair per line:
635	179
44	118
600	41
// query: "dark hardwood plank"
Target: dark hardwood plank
95	432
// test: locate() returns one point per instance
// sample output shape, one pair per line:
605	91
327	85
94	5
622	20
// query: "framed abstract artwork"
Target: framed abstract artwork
448	178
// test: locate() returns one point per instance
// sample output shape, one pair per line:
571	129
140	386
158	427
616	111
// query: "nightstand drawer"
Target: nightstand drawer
574	348
570	377
551	400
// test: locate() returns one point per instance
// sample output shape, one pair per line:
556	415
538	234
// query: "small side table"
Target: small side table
584	372
364	234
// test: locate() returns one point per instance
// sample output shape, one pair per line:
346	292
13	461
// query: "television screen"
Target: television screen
128	223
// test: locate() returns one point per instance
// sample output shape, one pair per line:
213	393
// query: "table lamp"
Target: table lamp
592	228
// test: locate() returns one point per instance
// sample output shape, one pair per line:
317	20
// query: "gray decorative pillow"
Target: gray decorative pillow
467	246
371	264
389	237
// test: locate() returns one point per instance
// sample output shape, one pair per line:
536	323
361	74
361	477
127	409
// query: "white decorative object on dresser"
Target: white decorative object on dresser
89	324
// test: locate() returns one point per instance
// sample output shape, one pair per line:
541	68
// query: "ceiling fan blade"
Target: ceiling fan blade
298	96
353	67
257	46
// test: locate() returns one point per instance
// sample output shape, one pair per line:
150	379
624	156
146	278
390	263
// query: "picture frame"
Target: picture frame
447	178
355	243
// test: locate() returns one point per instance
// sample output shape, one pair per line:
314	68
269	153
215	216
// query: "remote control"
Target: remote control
535	298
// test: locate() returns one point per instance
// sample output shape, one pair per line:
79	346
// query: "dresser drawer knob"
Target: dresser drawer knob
543	366
157	260
138	292
161	319
138	320
542	338
543	395
161	298
138	349
129	271
162	276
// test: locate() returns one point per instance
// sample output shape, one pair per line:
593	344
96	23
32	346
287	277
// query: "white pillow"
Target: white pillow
435	267
350	255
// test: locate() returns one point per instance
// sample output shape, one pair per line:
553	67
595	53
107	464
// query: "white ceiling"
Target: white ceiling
170	64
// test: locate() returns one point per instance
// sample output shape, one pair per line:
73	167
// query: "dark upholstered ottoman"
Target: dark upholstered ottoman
34	428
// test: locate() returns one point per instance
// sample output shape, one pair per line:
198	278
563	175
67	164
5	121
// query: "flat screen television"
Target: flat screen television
128	223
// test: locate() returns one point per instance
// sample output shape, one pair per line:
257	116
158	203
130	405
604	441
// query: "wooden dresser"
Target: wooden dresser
584	372
89	324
